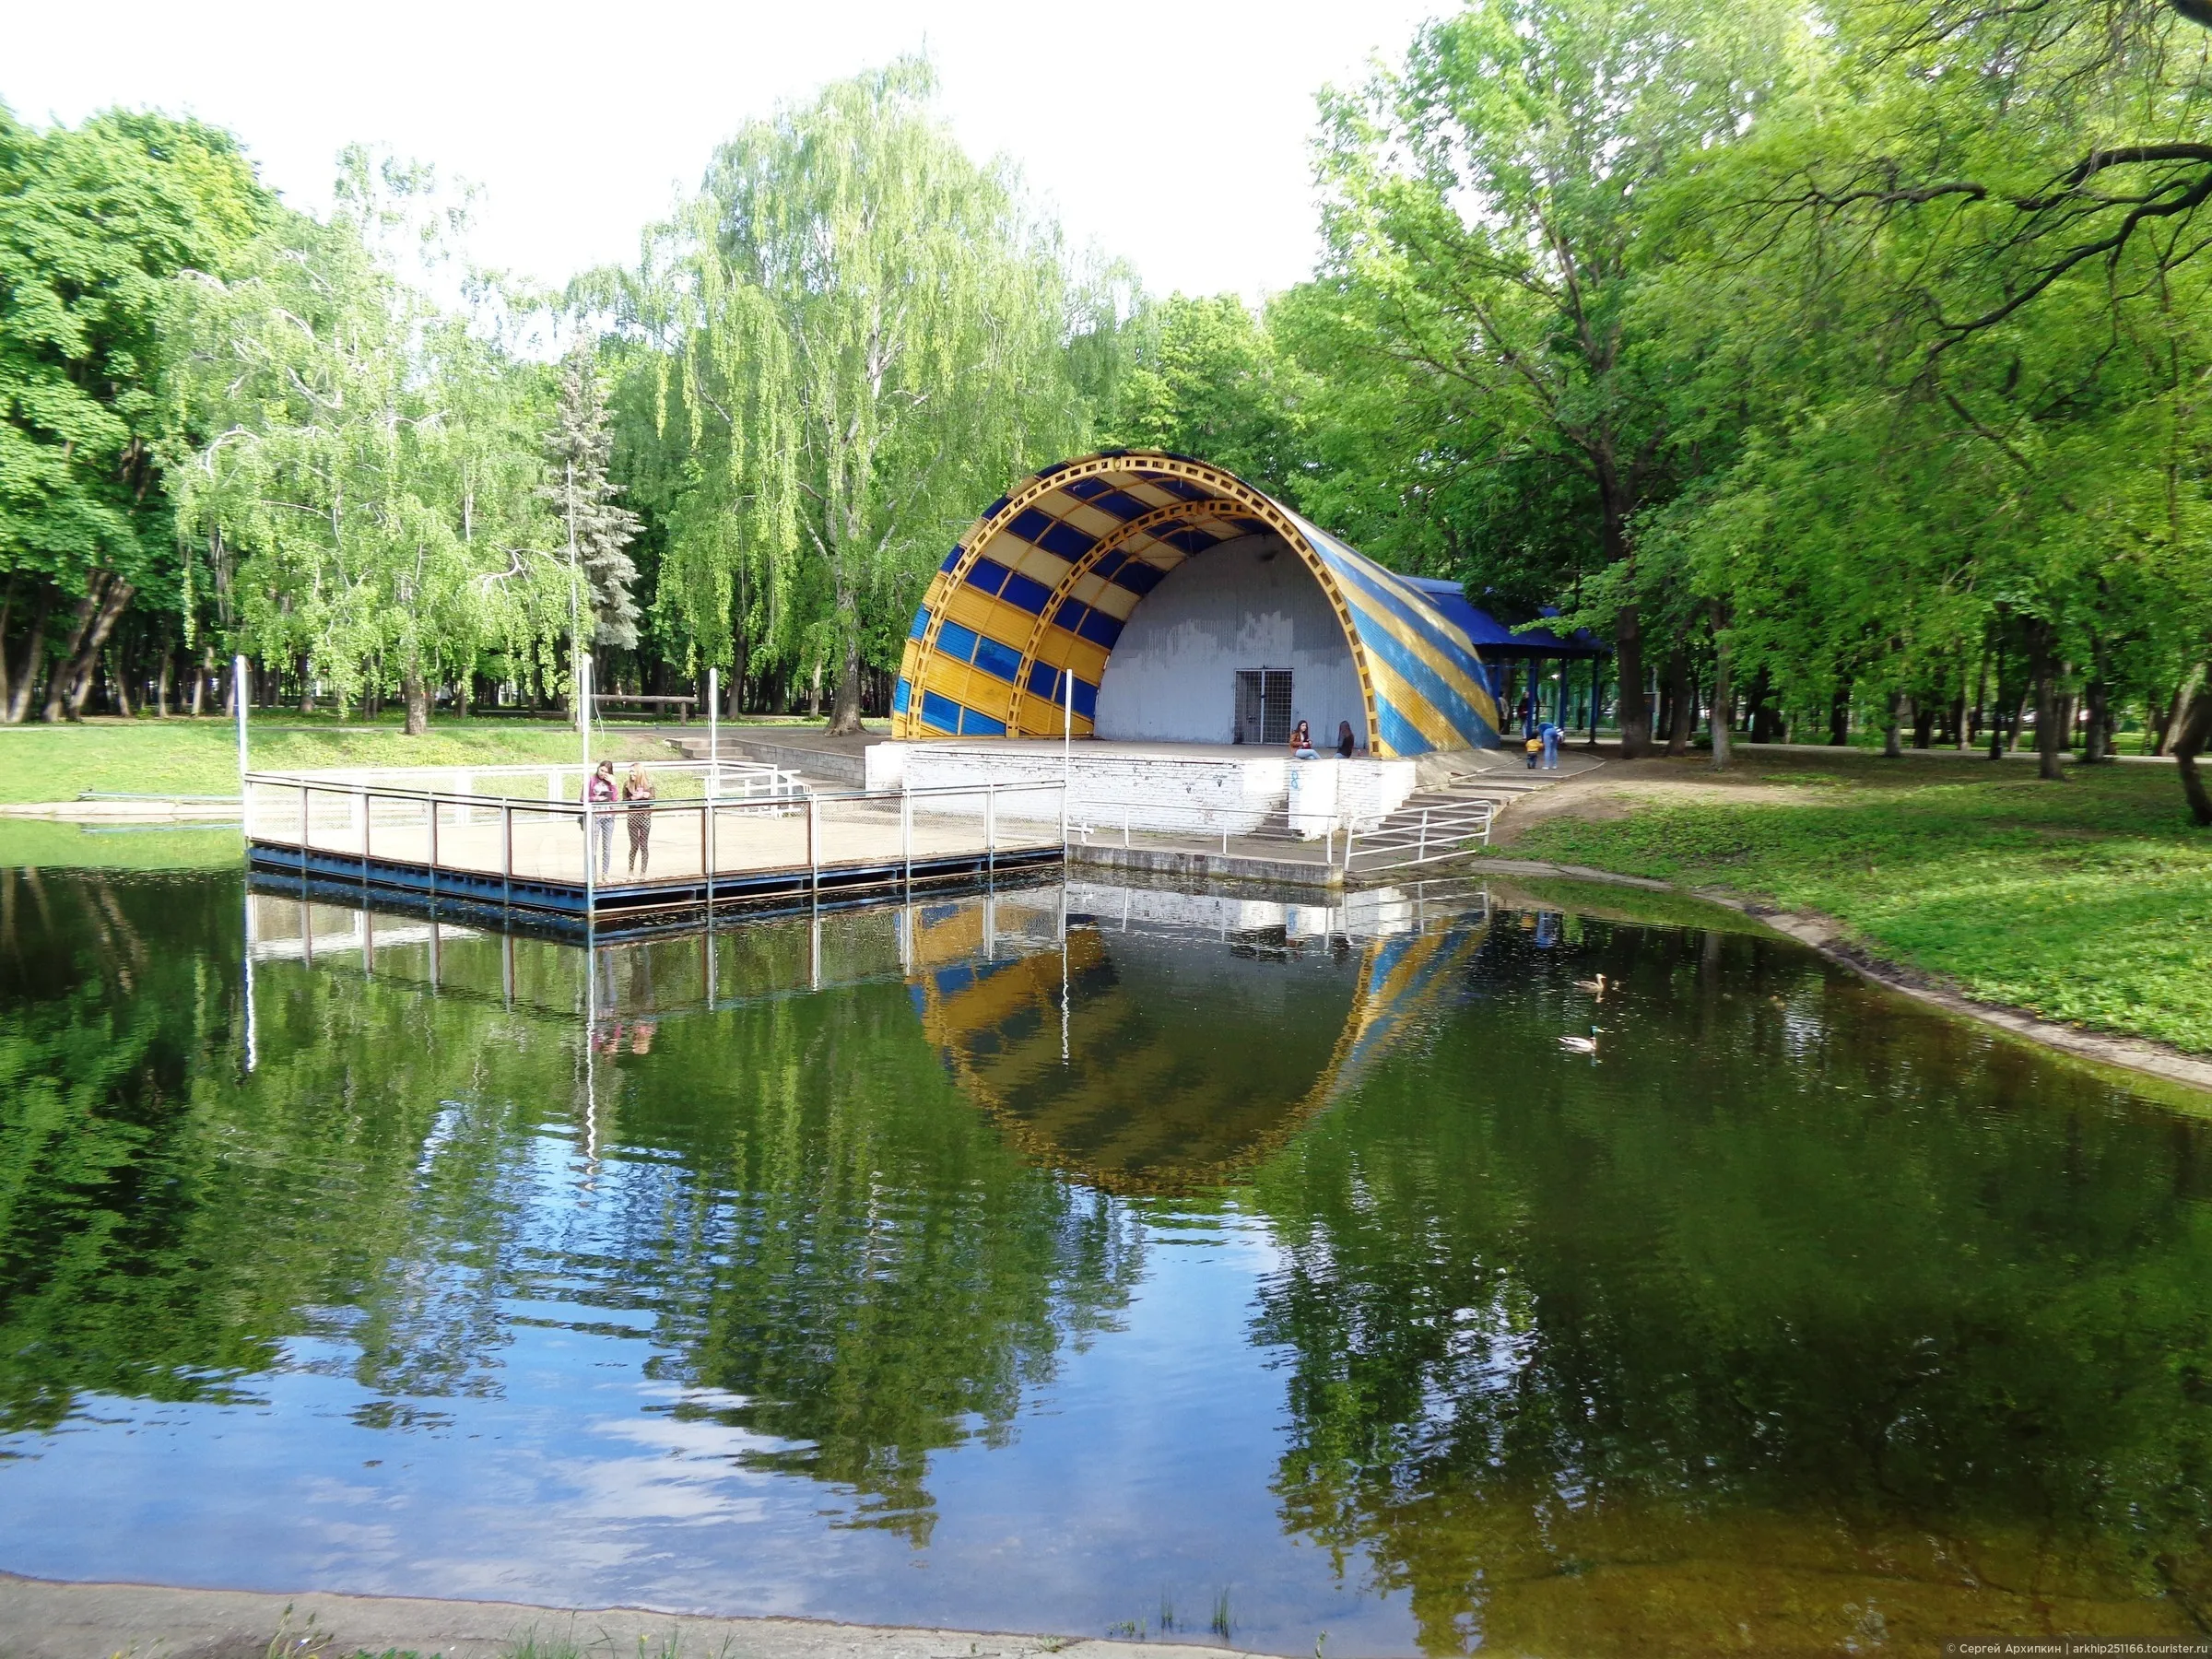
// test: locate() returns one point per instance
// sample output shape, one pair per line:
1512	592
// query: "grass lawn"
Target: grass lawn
42	843
2087	900
200	757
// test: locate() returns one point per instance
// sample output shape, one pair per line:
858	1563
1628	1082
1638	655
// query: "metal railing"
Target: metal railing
1420	835
744	820
1385	841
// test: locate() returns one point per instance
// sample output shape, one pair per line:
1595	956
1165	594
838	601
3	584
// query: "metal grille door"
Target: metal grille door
1264	705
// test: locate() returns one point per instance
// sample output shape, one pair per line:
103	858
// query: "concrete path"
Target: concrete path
39	1620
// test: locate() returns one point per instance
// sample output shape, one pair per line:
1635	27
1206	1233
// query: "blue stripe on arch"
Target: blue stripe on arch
994	658
901	694
1031	596
1029	525
1400	735
1429	686
953	640
940	713
1065	540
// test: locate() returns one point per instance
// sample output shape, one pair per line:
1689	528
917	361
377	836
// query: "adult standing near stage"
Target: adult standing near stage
598	798
637	794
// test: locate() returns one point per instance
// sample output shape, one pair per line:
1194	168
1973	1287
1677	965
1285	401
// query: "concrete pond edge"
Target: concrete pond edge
1832	941
45	1618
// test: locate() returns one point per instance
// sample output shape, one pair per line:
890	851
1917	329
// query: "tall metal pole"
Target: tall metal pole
713	733
238	696
1067	724
584	706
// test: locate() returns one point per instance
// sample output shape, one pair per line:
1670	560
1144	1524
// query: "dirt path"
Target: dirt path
39	1620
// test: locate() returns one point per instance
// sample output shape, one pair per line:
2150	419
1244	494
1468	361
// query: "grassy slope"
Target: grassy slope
185	757
2088	900
40	844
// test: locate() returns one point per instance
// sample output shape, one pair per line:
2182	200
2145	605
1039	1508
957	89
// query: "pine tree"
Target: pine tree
599	531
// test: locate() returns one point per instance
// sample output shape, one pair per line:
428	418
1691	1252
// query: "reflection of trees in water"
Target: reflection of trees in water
867	1274
793	1191
1818	1310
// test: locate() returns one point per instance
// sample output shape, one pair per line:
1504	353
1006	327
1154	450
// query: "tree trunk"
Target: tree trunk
57	682
163	681
1839	718
2170	732
2044	670
733	694
1635	718
1901	711
2097	744
34	653
417	693
2194	729
1682	709
1723	695
118	684
1923	726
844	714
72	682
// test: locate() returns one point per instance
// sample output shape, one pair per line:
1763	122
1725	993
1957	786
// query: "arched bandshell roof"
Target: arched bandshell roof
1041	584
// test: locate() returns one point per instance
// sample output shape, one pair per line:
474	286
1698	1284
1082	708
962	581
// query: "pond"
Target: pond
1096	1259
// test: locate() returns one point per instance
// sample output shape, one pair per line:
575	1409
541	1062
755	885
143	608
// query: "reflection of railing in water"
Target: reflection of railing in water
769	835
696	970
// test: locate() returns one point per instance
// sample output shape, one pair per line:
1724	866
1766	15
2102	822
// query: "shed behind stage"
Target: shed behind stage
1176	603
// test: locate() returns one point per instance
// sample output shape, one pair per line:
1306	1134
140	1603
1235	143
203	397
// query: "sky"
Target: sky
1173	135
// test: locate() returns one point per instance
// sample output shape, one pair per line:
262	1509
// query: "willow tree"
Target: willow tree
371	462
869	345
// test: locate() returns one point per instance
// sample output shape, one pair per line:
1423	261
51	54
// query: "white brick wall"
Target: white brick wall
1194	795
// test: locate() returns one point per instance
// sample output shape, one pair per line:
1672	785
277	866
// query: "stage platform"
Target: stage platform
1198	789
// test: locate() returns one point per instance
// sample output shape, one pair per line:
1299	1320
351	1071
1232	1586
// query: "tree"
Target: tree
1492	213
577	485
363	459
95	225
1205	378
869	336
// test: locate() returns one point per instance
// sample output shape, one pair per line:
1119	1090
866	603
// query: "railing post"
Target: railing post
507	852
713	848
814	864
303	824
1124	825
367	817
1423	853
991	828
433	863
906	832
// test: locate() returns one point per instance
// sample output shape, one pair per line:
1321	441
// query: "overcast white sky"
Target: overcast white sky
1174	135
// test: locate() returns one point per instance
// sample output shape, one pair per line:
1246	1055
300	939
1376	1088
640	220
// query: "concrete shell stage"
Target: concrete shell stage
1088	577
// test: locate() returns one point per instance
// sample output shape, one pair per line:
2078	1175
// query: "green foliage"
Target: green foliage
1204	377
864	340
374	463
95	224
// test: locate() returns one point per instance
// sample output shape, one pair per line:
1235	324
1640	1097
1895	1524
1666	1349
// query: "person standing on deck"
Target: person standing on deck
599	795
636	792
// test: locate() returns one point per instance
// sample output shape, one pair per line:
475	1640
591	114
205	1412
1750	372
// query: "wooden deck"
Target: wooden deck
529	850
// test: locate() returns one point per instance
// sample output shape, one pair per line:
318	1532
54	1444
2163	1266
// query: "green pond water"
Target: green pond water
1096	1260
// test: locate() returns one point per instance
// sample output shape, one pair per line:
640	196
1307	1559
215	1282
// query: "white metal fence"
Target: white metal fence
731	820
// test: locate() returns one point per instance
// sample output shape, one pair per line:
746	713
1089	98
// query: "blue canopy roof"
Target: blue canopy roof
1496	638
